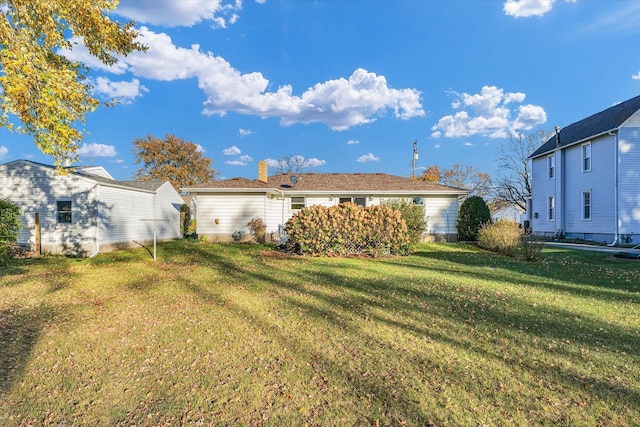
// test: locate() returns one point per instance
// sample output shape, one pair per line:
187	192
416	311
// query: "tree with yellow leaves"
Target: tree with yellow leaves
42	90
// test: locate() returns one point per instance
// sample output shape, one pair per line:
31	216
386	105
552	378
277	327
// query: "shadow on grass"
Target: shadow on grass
20	330
409	303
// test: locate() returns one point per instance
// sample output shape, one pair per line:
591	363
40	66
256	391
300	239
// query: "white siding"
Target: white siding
542	188
600	181
629	181
232	212
126	214
118	211
36	189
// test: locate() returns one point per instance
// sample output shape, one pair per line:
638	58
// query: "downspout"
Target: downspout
97	233
615	191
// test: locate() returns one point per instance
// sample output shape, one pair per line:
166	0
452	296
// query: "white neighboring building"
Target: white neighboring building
586	178
223	208
511	212
86	211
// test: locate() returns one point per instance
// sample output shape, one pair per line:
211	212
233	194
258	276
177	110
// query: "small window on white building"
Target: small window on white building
551	208
586	205
360	201
551	160
418	201
297	203
64	212
586	157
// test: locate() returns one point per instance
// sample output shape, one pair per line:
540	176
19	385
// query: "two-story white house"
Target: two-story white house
586	178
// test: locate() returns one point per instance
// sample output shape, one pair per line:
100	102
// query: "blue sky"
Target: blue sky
349	85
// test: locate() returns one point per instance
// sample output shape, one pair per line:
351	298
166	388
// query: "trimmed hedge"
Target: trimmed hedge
348	229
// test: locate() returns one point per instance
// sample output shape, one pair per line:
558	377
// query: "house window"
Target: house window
297	203
552	166
64	212
586	205
418	201
360	201
586	157
551	205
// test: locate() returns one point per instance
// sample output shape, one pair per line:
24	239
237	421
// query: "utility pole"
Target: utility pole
415	158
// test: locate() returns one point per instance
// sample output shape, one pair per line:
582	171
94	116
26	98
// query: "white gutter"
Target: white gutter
615	190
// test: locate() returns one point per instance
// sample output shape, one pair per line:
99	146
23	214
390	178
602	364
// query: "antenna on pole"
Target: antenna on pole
415	158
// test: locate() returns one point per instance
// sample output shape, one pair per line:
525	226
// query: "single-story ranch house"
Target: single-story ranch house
223	208
86	211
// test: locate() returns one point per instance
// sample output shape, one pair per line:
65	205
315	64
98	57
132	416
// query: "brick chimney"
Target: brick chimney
262	171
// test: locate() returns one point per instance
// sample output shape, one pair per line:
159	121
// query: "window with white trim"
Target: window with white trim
360	201
586	205
586	157
297	203
551	208
64	211
551	162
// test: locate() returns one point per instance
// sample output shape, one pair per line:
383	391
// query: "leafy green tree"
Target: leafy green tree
474	213
172	159
9	226
47	93
413	215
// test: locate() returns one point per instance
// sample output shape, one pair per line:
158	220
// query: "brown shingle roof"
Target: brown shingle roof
338	182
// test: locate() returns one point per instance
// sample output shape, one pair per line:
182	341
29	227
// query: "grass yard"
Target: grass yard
216	334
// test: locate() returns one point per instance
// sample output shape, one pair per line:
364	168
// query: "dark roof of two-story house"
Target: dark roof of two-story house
600	123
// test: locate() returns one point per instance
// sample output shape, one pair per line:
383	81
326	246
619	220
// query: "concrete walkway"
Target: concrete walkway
594	248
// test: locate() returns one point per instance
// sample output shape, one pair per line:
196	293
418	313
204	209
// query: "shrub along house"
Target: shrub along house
86	211
223	208
586	178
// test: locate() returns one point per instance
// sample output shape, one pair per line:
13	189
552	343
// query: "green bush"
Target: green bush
503	237
413	215
9	227
474	212
348	229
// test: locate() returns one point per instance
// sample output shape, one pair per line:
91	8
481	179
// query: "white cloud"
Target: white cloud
242	161
339	104
97	150
527	8
231	151
487	114
351	142
245	132
636	76
314	163
200	149
3	151
125	92
468	144
368	158
174	13
436	146
298	160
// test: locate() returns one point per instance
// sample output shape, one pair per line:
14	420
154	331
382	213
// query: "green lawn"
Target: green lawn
240	335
